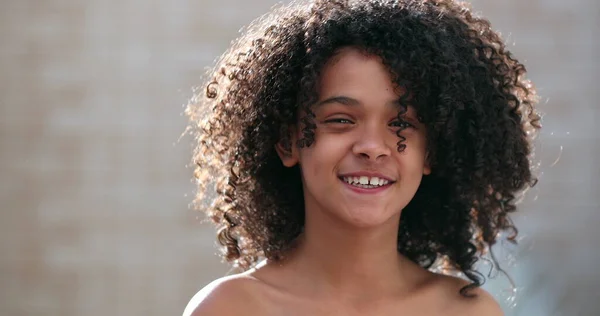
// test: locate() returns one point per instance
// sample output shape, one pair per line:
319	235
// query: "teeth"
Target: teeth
365	181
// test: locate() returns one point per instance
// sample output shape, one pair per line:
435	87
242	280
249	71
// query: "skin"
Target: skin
346	262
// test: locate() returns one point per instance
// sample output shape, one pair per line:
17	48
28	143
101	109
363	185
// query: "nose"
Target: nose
371	145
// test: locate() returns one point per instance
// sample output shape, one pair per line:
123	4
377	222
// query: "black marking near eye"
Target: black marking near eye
400	117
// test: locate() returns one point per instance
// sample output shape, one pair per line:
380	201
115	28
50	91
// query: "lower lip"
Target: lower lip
364	190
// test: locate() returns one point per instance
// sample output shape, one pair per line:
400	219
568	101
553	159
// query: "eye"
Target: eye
339	121
401	124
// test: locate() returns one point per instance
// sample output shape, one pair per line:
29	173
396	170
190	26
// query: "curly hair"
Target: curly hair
467	88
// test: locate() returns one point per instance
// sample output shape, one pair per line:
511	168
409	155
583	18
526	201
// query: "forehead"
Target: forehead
353	73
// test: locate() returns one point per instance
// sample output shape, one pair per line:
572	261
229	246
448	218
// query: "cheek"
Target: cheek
312	163
413	160
417	145
320	161
325	150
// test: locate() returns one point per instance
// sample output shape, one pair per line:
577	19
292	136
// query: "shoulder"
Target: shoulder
232	295
479	303
482	303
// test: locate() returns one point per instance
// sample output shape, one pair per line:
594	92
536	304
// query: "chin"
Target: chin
367	218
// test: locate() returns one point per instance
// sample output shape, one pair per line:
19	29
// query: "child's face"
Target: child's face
356	141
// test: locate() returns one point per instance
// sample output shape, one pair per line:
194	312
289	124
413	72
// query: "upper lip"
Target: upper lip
367	174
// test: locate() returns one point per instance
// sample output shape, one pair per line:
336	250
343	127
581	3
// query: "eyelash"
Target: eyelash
339	121
403	124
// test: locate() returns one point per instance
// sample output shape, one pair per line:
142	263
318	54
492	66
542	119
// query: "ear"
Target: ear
287	149
427	165
426	170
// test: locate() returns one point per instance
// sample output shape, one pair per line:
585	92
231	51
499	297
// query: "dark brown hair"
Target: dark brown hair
468	90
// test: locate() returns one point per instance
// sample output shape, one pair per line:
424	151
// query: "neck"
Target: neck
334	257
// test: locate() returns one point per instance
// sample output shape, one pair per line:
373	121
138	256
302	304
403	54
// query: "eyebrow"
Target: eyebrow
350	101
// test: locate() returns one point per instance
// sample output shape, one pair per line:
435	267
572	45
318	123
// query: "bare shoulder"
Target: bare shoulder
480	303
217	297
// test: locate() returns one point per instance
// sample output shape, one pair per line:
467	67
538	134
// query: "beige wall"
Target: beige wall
94	189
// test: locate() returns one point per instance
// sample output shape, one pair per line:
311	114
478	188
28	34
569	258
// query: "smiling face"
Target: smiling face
353	170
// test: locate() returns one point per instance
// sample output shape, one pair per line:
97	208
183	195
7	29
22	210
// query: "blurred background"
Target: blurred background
94	187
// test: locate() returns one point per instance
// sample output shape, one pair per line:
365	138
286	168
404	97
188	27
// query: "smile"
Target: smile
365	184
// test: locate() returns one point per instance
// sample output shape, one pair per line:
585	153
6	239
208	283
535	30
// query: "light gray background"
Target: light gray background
94	187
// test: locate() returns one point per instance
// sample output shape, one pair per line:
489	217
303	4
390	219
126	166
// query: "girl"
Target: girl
354	143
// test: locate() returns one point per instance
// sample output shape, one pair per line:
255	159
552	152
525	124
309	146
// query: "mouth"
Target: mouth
366	184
